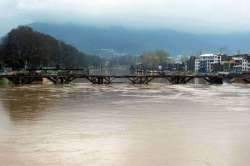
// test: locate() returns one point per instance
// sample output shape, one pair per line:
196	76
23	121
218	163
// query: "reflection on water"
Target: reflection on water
121	125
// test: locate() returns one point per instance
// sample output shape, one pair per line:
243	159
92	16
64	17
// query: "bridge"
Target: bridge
68	77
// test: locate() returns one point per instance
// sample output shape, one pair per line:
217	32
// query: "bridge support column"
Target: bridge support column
247	81
214	80
99	79
61	79
179	79
140	79
245	78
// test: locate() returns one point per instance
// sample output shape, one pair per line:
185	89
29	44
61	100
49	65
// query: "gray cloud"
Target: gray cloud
197	16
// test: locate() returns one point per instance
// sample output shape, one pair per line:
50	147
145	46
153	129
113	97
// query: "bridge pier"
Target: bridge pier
99	79
140	79
214	80
245	78
179	79
247	81
61	79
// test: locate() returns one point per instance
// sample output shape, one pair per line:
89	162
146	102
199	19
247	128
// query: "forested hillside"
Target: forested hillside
25	47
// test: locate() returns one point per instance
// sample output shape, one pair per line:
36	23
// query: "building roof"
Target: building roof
207	55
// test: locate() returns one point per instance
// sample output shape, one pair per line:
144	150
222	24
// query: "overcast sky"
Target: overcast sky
197	16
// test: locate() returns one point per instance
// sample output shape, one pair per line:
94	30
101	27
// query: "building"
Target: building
241	63
191	64
228	64
174	67
207	63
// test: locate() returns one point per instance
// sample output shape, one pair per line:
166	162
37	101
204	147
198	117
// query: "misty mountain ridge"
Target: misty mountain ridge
90	39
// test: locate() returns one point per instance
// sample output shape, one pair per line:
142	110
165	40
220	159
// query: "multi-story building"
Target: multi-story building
241	63
207	62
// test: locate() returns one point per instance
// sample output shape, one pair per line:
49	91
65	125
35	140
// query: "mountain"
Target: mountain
133	41
25	47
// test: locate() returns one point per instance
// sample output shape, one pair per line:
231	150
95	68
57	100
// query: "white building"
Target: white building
242	63
205	62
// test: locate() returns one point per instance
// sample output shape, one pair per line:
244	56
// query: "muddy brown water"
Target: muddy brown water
125	125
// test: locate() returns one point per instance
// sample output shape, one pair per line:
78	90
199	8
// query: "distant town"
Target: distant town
213	63
203	63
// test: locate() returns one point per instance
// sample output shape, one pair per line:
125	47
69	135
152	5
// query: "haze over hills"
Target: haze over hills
131	41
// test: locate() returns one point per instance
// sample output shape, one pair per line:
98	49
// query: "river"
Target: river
125	125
